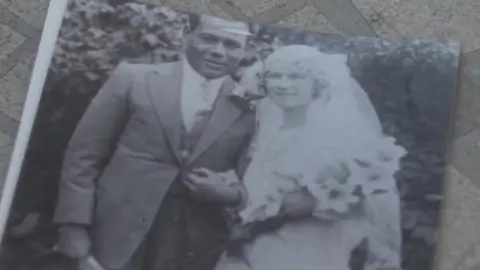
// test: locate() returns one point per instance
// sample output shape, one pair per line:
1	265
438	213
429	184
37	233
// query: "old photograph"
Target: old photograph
168	140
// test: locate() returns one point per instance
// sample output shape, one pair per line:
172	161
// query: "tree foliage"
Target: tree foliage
400	78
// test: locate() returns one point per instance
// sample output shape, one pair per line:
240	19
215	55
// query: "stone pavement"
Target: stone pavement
20	28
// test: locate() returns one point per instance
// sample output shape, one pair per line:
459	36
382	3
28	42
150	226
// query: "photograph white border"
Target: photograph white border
51	29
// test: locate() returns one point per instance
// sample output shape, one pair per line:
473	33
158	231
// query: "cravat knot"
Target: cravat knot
205	93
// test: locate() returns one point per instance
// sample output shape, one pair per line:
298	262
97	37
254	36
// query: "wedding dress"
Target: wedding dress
308	244
343	127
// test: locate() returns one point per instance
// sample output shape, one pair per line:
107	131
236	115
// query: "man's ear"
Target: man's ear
194	21
188	40
190	36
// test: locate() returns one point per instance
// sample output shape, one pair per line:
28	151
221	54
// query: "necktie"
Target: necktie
203	113
198	121
192	136
205	94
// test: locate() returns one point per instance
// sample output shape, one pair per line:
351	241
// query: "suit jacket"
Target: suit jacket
124	154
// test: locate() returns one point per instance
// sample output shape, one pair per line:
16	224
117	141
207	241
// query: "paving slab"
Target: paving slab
9	41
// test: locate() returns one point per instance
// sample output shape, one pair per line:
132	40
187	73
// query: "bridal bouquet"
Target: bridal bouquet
340	188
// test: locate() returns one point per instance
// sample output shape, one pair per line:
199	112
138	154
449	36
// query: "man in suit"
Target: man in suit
141	186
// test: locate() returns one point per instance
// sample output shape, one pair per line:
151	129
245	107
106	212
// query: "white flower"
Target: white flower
375	176
388	152
268	201
336	197
377	165
339	171
250	86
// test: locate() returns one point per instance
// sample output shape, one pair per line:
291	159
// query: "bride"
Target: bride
321	160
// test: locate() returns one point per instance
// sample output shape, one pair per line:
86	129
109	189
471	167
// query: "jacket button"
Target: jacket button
175	219
184	154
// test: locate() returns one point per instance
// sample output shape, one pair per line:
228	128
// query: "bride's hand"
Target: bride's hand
298	204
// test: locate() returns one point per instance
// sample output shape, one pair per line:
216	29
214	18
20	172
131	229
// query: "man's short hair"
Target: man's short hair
196	19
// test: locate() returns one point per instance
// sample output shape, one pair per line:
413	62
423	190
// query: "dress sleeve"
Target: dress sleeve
384	235
382	201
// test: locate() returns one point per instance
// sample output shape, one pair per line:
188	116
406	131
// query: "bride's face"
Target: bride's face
289	87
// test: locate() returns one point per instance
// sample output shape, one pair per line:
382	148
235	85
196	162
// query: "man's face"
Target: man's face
212	50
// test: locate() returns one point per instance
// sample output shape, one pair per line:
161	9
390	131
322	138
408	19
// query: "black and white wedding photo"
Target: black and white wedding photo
167	140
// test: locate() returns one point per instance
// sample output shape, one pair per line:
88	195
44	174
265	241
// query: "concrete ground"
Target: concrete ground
21	22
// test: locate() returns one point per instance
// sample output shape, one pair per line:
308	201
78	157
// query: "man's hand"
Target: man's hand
207	185
90	263
73	241
298	204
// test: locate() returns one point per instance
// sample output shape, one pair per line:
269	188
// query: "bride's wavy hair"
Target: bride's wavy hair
320	79
306	62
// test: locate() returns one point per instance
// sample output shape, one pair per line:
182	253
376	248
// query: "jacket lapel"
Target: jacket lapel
165	93
224	114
